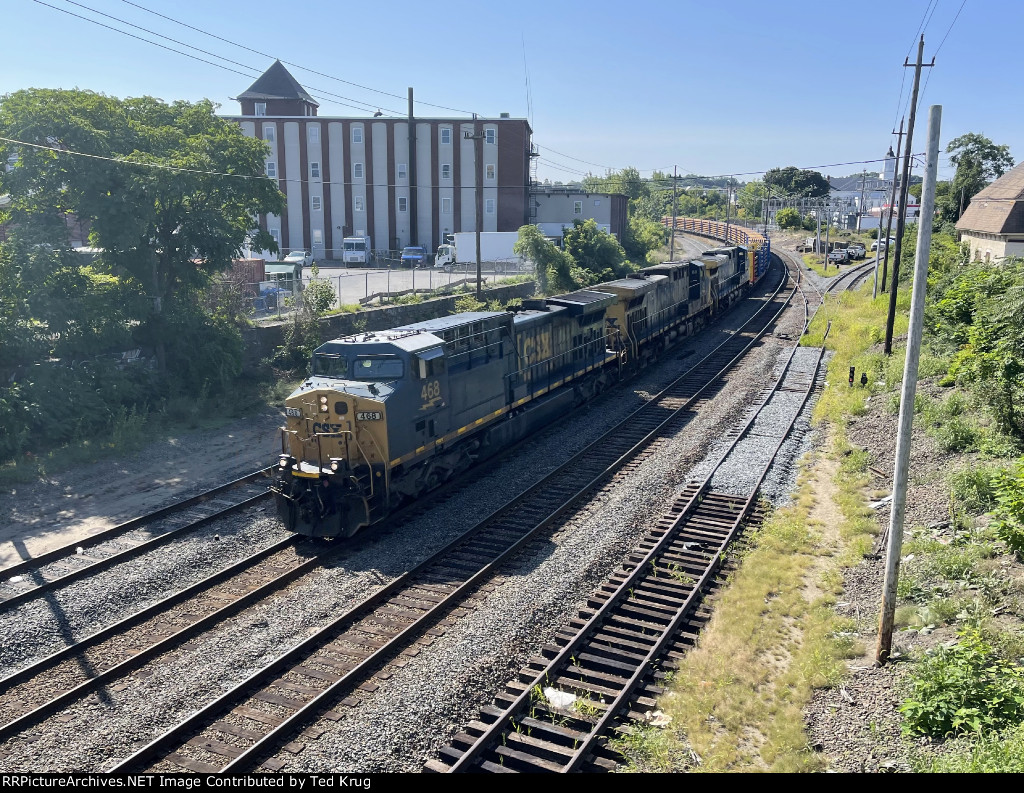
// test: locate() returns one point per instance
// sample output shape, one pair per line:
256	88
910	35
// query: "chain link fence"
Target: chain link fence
353	289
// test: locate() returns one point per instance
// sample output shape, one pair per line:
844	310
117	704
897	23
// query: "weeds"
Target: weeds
964	688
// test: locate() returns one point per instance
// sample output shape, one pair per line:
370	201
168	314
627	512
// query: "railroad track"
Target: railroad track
46	686
243	728
54	569
600	671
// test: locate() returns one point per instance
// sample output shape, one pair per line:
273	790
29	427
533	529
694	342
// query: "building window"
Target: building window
402	172
317	203
269	134
446	206
272	169
490	135
276	234
577	207
357	134
489	172
446	135
314	134
357	170
314	170
446	170
357	203
489	204
260	109
403	204
318	237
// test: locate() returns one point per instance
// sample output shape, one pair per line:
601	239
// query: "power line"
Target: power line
290	63
948	31
343	100
662	180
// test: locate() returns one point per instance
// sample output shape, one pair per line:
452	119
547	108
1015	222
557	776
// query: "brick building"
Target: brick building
371	177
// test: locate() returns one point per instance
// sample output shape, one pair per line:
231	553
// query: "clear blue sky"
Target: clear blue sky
713	87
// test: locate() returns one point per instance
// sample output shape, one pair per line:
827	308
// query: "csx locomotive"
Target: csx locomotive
386	416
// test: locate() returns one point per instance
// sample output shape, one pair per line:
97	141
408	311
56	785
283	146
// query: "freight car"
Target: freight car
386	416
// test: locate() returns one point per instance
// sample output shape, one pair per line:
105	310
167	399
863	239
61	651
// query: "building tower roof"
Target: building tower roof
277	83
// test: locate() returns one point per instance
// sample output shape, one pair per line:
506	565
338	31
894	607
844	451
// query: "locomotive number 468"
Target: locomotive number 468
431	390
369	415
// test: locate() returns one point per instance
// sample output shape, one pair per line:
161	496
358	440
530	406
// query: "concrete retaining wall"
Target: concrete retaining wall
260	342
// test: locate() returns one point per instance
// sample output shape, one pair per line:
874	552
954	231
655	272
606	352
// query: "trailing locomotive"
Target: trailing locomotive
386	416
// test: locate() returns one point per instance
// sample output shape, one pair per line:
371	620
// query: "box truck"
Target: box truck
495	246
356	250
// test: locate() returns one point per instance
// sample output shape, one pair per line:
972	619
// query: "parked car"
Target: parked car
838	256
297	257
857	251
414	256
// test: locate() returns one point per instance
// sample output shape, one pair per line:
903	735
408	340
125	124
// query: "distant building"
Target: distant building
993	224
554	207
368	177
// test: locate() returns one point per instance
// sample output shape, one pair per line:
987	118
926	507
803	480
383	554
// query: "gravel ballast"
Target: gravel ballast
424	702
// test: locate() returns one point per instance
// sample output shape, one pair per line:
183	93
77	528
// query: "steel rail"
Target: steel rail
482	743
102	536
322	637
130	553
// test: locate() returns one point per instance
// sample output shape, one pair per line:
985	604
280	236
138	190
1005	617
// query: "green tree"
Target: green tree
978	161
792	181
751	198
788	218
170	192
643	236
594	251
553	266
627	181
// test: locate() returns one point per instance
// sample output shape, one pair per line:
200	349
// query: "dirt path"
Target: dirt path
79	502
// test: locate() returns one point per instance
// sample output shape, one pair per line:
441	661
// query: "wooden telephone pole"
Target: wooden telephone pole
904	188
892	206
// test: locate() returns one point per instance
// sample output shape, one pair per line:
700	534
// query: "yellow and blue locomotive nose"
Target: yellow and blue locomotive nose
334	454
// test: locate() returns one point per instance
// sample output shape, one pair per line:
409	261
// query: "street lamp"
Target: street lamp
478	137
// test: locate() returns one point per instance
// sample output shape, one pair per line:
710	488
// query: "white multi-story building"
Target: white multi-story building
400	181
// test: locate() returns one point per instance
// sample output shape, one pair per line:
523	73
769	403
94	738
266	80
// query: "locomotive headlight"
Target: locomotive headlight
323	409
323	400
335	466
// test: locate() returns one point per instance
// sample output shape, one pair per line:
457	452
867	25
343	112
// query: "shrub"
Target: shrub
964	688
1009	514
974	489
956	435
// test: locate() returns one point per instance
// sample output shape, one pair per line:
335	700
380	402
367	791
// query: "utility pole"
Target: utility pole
828	223
672	242
817	241
728	200
900	476
860	206
904	189
413	226
892	206
477	136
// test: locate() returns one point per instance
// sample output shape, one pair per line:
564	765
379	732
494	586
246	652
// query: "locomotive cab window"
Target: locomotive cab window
328	365
377	367
430	363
